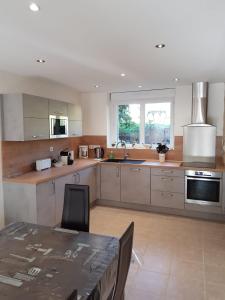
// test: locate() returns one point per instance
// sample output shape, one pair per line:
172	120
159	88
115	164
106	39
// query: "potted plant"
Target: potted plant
162	149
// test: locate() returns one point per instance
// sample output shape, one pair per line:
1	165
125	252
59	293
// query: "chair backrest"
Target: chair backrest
73	296
76	209
125	253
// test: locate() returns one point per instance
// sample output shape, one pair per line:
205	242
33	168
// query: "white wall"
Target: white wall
182	108
95	113
216	106
96	109
11	83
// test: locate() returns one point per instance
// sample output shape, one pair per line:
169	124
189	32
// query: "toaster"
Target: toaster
43	164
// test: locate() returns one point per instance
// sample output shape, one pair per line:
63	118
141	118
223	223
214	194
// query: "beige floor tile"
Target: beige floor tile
215	291
215	274
216	258
186	270
182	258
155	284
184	289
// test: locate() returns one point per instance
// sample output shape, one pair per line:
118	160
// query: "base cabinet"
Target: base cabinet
43	203
135	184
110	182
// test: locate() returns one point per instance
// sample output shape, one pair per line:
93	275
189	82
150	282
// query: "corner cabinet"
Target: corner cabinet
43	203
135	184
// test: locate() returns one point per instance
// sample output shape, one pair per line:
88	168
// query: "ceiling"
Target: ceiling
88	42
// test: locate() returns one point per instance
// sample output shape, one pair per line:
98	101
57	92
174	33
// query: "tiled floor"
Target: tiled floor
180	258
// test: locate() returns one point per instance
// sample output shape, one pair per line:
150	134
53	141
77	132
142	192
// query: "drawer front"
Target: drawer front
167	184
167	172
167	199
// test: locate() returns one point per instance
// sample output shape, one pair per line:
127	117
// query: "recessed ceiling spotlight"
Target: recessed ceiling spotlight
96	86
34	7
176	79
122	74
140	86
41	61
159	46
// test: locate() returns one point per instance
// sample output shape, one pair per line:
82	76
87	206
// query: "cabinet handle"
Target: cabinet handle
135	169
53	185
35	136
171	195
117	172
78	174
75	177
166	178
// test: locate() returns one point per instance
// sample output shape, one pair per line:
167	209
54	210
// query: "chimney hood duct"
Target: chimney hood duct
199	102
199	139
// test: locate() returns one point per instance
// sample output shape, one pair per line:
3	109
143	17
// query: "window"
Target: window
144	121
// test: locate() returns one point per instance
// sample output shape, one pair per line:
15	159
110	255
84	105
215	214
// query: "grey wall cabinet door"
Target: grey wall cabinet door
35	107
110	182
135	184
57	108
59	194
75	128
74	112
88	177
46	203
36	129
168	184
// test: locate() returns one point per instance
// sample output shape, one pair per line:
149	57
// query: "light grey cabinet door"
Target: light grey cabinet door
45	201
60	183
74	112
36	129
135	184
110	182
75	128
88	177
35	107
57	108
167	184
167	199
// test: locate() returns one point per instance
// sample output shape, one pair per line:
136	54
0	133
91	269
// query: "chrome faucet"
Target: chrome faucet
123	144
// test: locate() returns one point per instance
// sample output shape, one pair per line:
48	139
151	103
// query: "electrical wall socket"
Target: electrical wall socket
51	149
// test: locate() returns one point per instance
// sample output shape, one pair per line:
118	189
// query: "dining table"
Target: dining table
45	263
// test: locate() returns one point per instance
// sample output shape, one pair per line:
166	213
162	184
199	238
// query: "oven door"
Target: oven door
205	191
58	126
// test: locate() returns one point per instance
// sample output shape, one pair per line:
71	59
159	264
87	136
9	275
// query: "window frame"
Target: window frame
114	115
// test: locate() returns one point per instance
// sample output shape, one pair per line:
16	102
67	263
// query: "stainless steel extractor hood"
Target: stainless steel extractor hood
199	141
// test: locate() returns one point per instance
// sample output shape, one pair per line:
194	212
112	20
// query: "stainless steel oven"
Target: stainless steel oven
58	126
203	187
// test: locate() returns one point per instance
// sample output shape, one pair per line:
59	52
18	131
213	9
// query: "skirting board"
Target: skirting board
163	210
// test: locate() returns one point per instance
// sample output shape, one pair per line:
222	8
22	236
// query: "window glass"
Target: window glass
157	123
129	123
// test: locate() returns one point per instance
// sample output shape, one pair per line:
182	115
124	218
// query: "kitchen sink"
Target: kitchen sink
125	161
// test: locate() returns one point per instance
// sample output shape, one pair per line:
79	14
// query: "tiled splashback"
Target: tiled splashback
20	157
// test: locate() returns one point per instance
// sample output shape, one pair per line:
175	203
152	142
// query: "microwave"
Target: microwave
58	126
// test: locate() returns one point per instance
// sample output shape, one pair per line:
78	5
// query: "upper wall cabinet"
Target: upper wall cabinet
58	108
26	117
75	120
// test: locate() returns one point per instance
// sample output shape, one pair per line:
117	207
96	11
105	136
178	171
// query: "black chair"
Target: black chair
76	209
73	296
125	254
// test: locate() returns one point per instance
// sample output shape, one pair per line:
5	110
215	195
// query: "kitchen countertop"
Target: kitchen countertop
37	177
46	175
